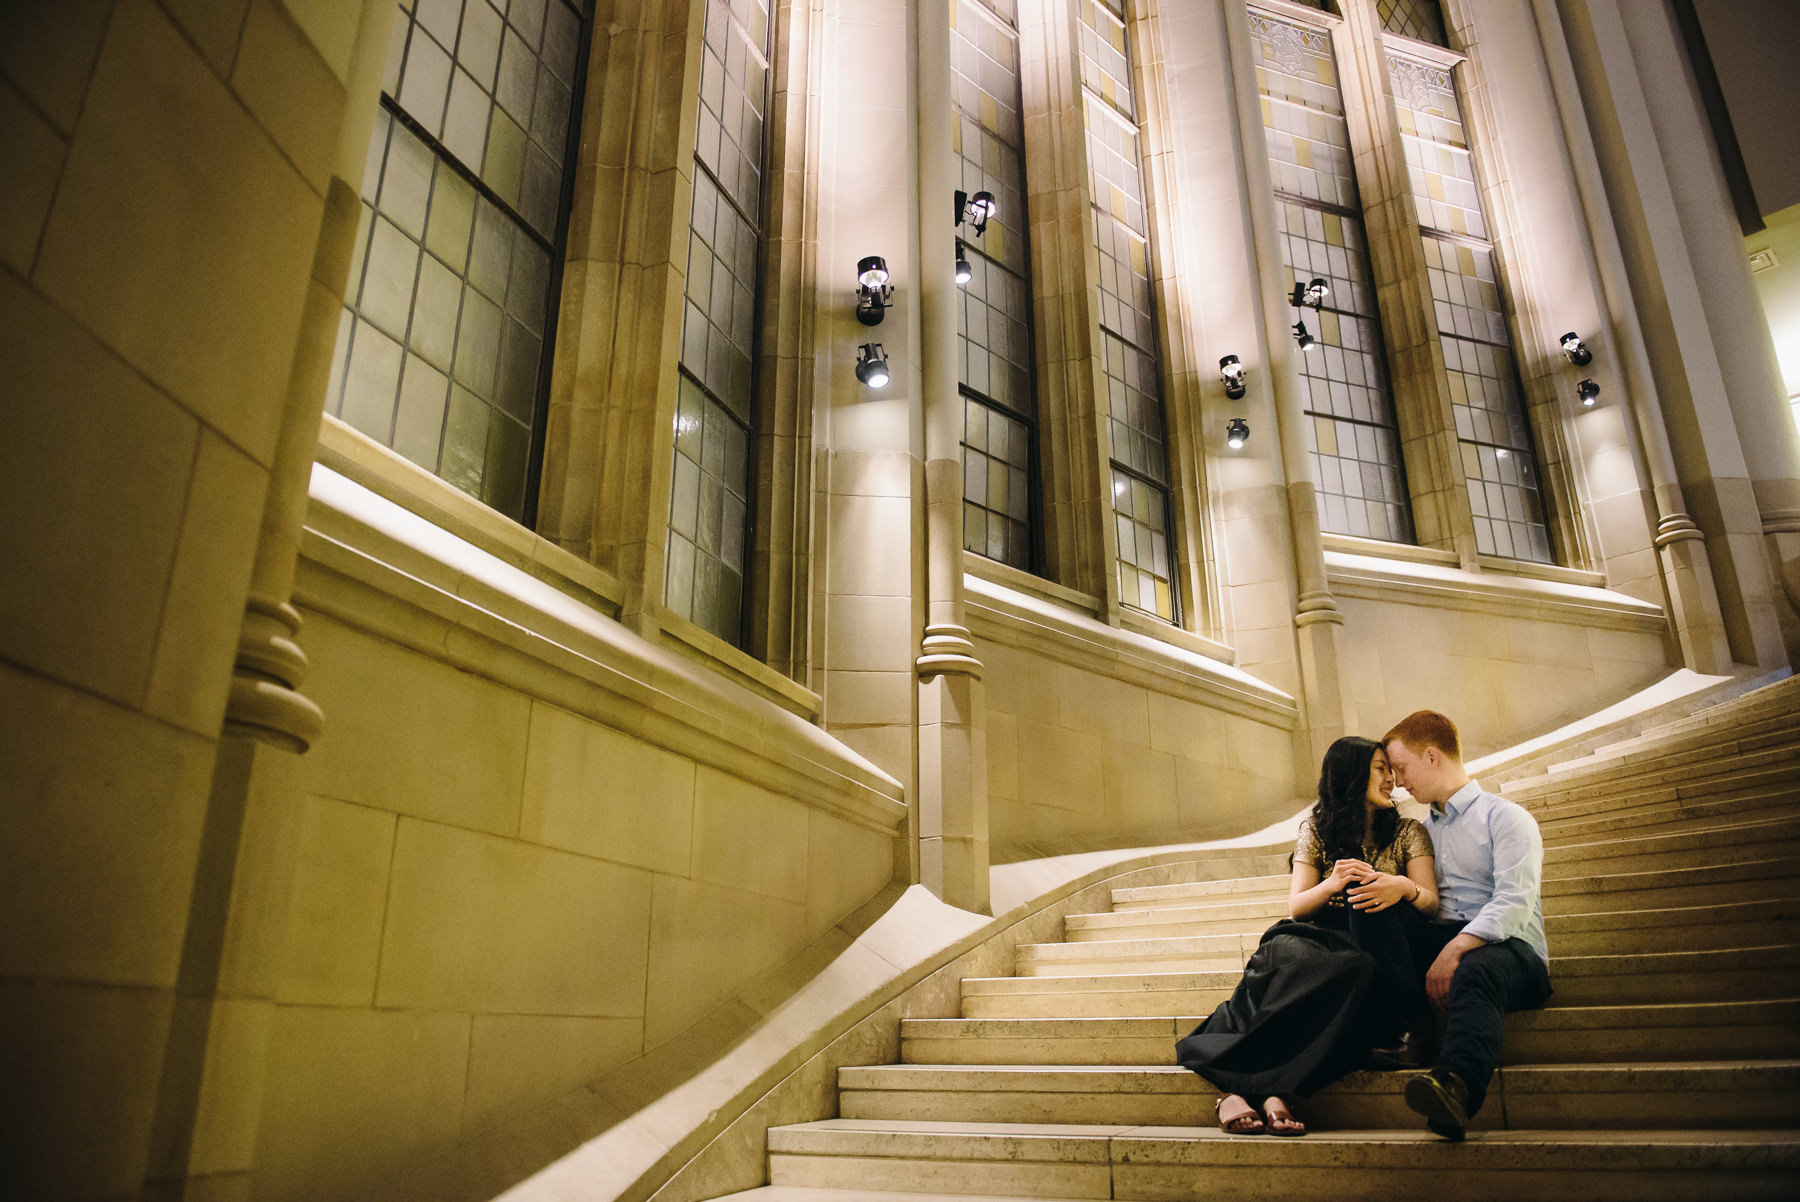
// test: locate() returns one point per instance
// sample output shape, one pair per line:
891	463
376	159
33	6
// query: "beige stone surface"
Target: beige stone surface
47	52
749	839
81	1065
123	460
339	903
696	927
208	582
34	151
290	88
412	734
180	236
103	811
517	1060
335	1075
479	923
602	793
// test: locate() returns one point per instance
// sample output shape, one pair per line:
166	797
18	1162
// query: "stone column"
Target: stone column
210	1097
1318	623
951	809
1630	72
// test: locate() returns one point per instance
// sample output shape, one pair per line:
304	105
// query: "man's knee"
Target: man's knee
1487	971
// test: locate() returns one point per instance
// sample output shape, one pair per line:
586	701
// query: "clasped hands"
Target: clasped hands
1370	891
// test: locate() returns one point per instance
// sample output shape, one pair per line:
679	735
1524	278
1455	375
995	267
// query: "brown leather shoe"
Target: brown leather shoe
1443	1099
1403	1056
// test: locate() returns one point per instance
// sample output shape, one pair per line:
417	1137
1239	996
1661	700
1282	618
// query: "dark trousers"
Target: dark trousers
1491	980
1397	999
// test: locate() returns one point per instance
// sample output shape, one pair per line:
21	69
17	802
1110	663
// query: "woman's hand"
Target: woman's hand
1346	873
1376	891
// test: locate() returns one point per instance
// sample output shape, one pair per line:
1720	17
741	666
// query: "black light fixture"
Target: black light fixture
874	293
1589	392
1237	433
975	211
872	365
1311	294
1576	349
963	271
1232	372
1303	336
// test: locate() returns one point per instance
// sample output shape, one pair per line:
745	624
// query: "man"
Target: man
1486	948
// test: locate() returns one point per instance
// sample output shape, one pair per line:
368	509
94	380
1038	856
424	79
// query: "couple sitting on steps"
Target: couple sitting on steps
1393	923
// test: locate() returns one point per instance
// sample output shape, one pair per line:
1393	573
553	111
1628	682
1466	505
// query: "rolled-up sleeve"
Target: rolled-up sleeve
1518	875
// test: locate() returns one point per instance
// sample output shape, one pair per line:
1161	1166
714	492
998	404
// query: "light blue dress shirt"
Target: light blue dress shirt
1490	866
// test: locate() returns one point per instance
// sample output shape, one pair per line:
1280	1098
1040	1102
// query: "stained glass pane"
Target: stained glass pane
1352	432
442	348
1499	464
1421	19
709	501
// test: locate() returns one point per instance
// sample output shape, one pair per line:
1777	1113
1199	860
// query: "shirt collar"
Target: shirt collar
1459	801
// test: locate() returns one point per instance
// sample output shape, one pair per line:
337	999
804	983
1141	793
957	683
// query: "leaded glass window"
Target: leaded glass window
449	308
709	503
1351	430
993	322
1499	465
1421	19
1128	352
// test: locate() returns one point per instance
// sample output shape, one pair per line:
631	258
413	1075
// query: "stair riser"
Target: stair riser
1625	779
1701	937
1638	989
1763	847
1238	925
1709	894
1666	820
1100	965
1269	1183
1135	1004
928	1176
1763	732
1640	1110
1581	1046
1623	797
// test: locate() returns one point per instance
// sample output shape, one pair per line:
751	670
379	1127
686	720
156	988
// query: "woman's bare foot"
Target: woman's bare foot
1236	1116
1281	1119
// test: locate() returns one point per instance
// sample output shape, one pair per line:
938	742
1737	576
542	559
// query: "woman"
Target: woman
1323	987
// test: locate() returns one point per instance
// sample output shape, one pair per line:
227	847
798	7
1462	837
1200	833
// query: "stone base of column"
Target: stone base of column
952	802
1693	597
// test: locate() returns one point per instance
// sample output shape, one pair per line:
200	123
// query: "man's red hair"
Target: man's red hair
1426	728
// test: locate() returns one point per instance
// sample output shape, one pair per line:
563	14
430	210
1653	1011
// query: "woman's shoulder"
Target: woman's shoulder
1414	836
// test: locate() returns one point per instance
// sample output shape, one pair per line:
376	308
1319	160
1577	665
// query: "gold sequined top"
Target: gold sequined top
1411	839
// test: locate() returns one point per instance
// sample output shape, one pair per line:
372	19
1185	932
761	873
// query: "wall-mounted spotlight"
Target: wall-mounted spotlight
1576	349
872	365
1312	294
1589	392
1237	433
975	211
874	293
1232	372
964	272
1303	336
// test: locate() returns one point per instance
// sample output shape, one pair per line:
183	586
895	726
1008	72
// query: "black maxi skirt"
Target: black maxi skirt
1302	1017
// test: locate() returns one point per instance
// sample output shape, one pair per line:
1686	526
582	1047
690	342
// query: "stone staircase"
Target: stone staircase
1666	1066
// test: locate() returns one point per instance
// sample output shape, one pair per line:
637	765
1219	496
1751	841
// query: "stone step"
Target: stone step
1764	838
1625	979
1162	897
1580	931
801	1193
994	1160
1559	1033
1183	922
1757	732
1769	713
1617	1096
1753	880
1763	770
1668	817
1201	953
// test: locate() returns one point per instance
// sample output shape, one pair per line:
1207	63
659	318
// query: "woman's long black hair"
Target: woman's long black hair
1341	816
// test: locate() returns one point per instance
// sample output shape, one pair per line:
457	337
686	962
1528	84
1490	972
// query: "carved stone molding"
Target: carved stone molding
265	702
948	650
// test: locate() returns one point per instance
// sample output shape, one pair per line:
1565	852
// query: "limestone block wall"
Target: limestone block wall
1099	737
508	884
1507	657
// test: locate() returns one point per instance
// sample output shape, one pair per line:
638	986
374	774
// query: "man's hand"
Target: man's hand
1443	969
1376	891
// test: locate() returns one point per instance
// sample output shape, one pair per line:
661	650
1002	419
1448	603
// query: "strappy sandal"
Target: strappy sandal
1275	1122
1230	1126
